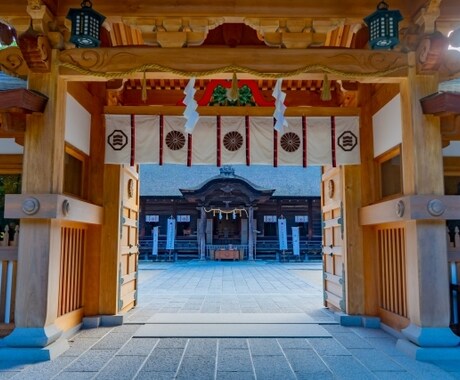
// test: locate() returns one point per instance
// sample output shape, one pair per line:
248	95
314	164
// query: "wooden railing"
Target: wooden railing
453	257
10	239
8	269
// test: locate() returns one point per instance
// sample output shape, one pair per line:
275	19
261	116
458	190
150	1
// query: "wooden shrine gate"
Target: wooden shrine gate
333	239
342	239
129	247
120	239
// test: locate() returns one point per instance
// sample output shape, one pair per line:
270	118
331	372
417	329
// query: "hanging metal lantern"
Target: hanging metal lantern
86	25
383	27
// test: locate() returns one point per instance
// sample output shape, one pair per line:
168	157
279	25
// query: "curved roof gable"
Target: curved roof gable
225	188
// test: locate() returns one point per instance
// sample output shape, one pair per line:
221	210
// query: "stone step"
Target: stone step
231	330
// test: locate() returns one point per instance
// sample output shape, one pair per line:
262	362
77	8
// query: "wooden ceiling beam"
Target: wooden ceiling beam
314	8
366	65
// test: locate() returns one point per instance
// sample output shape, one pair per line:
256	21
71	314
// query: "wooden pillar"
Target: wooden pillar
202	234
310	219
368	196
426	248
352	240
36	304
92	266
251	233
111	235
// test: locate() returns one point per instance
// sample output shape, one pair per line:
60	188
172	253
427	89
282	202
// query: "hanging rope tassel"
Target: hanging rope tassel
144	88
326	90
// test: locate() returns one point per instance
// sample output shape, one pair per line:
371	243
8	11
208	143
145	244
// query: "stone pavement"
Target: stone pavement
230	287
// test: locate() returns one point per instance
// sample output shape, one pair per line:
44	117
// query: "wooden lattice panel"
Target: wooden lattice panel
73	246
392	274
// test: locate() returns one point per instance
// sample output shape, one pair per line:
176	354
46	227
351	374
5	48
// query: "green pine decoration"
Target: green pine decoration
220	97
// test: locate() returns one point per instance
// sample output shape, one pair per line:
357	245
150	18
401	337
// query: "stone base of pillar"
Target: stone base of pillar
431	336
429	343
95	321
35	354
32	337
427	353
33	344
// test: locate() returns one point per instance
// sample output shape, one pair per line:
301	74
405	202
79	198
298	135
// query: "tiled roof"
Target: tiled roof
8	82
450	86
287	180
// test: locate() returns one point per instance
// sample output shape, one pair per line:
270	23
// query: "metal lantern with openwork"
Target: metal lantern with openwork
86	25
383	27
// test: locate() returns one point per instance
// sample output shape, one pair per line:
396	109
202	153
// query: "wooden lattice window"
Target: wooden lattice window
75	172
390	171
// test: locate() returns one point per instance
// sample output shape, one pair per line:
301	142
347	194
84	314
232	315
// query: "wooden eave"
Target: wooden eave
441	104
22	100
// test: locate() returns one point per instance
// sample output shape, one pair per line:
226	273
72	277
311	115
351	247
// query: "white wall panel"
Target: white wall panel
387	126
77	125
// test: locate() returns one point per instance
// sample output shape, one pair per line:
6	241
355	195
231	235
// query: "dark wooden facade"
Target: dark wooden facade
225	201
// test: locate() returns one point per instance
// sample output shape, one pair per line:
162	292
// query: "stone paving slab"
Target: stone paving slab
235	318
209	330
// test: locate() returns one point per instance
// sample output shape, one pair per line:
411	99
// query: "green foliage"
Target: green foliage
3	46
9	184
219	97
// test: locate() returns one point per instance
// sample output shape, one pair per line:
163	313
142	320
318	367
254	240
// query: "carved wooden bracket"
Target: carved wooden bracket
44	22
36	50
428	15
40	15
430	52
287	32
13	63
173	31
297	33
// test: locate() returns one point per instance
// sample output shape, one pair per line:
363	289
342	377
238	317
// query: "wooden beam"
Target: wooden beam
411	207
231	111
52	206
10	163
258	62
269	8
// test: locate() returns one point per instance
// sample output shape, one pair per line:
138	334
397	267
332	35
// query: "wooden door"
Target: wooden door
129	234
333	239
